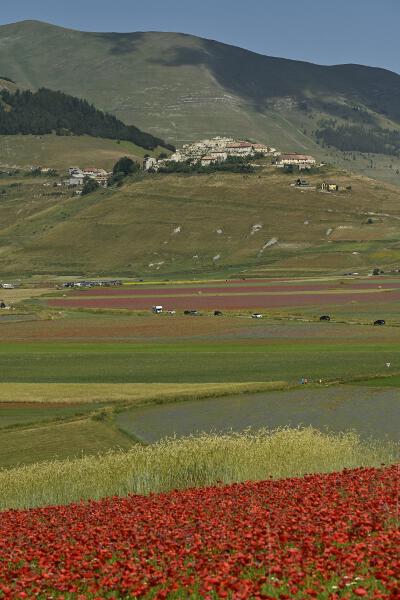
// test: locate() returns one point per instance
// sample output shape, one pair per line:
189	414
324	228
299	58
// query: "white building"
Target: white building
293	158
240	149
149	163
92	172
74	180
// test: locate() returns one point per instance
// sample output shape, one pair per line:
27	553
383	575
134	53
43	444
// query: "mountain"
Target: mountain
180	88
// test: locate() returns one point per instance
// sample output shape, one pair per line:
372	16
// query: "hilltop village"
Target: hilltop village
219	153
217	150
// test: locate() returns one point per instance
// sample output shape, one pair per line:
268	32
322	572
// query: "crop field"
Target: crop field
324	536
60	366
253	295
199	362
179	463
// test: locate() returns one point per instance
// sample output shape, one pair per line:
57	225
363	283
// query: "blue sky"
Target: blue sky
322	31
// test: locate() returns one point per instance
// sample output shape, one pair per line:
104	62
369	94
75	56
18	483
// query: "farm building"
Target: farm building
329	186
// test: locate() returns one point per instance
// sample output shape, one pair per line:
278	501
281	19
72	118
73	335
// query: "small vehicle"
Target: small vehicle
324	318
191	312
157	309
217	313
379	322
256	316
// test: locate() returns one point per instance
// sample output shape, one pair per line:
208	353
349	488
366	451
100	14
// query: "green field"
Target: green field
73	439
67	376
23	414
200	362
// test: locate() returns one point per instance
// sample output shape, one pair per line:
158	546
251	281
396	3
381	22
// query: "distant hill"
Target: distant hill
46	111
180	88
224	223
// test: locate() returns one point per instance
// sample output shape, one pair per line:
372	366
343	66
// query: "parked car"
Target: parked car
256	316
324	318
379	322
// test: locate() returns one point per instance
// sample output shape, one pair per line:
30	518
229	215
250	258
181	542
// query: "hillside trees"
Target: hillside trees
123	167
359	138
89	186
47	111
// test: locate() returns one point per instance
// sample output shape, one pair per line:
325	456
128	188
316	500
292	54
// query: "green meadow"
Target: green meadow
198	362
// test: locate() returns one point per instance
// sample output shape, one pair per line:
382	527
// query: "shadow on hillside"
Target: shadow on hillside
122	43
258	78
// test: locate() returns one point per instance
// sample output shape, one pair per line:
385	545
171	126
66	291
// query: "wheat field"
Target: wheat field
204	460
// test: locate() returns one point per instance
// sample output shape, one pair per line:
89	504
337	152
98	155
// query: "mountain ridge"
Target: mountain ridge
35	22
182	88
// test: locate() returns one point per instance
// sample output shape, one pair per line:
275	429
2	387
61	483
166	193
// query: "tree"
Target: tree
90	186
126	166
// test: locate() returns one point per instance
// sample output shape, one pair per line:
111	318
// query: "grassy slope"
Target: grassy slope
130	230
62	152
181	88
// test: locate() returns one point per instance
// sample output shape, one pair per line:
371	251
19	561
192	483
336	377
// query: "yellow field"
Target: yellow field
20	294
132	393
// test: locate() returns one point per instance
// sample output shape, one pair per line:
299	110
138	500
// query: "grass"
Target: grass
59	441
226	361
59	153
188	462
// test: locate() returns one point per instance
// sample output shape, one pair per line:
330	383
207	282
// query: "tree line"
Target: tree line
360	139
47	111
231	165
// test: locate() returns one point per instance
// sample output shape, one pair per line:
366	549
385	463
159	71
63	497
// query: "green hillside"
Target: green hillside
169	225
59	153
179	88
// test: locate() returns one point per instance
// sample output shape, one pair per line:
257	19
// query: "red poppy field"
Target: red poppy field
233	295
322	536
